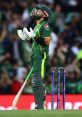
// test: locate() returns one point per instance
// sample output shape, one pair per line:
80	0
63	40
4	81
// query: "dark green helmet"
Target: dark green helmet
44	8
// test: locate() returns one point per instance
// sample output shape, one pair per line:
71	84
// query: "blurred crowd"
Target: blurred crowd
15	54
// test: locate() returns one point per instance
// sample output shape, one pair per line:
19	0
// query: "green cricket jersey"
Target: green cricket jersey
42	31
39	48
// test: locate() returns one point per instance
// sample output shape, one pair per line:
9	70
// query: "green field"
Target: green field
40	113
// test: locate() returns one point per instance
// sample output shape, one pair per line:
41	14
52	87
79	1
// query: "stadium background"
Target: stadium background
66	22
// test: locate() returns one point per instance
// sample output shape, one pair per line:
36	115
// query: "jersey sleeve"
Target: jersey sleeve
45	31
79	55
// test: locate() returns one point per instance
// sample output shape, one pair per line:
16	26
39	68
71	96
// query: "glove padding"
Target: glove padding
25	34
30	34
21	34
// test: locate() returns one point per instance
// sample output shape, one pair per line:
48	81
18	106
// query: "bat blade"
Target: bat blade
18	95
21	90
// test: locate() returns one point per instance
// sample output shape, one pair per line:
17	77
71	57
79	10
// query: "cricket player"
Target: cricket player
40	36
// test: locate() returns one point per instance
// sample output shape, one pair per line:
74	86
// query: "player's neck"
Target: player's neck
38	21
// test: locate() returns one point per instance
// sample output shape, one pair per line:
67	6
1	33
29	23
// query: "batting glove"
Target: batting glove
29	34
21	34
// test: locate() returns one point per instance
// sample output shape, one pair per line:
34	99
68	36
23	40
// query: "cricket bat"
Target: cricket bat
21	90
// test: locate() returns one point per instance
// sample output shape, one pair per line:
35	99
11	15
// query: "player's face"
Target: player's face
38	14
41	13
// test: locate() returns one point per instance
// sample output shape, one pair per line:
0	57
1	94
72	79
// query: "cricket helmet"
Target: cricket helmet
44	9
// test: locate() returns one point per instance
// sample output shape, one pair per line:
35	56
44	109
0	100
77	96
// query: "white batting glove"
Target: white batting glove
29	34
21	35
